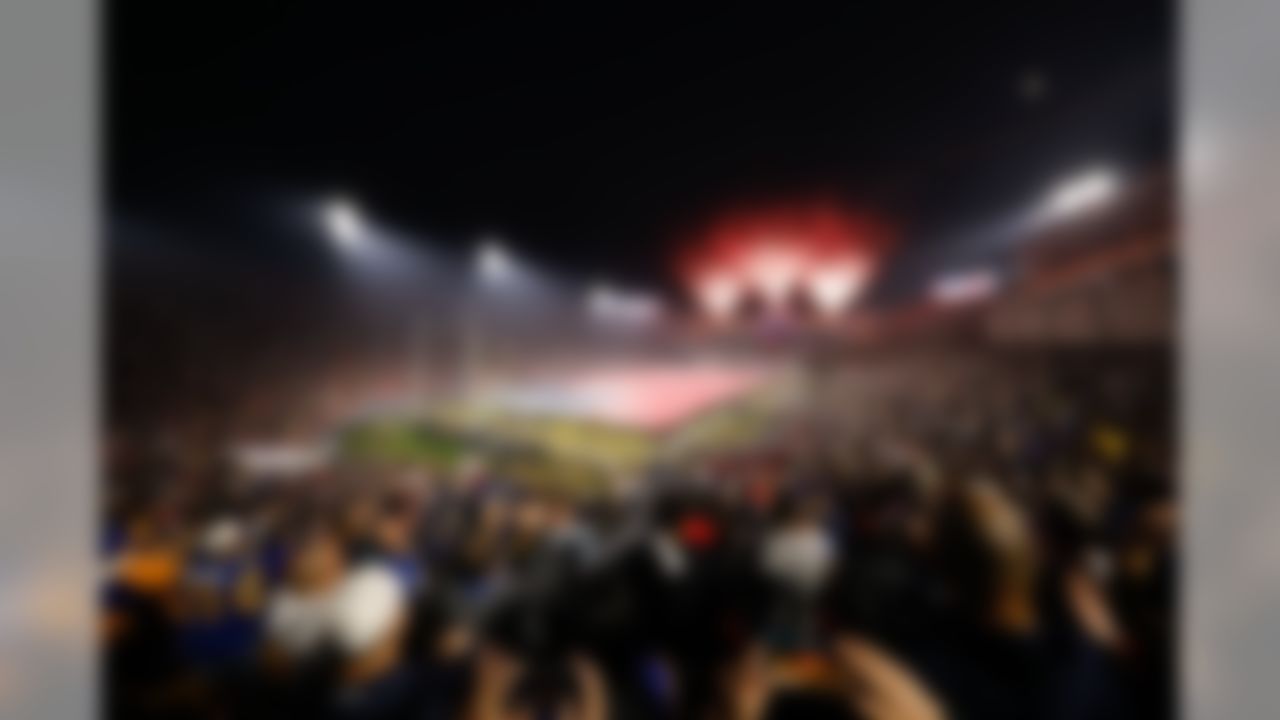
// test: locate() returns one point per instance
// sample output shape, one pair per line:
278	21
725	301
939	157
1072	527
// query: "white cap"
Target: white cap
222	536
800	558
370	603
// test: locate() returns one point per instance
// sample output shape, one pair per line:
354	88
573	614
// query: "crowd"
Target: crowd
941	535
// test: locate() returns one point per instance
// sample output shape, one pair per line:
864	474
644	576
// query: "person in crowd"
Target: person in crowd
222	599
300	614
370	623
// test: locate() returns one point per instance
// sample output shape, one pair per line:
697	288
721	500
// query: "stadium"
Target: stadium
708	367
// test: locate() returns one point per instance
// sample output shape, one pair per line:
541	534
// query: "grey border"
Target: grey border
1230	415
1230	109
47	357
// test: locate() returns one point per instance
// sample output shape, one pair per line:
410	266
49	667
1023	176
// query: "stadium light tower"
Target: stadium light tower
344	224
719	297
495	269
964	286
774	270
610	306
494	264
834	287
1080	194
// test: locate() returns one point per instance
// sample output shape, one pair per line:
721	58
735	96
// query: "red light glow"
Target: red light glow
774	270
815	253
832	288
719	296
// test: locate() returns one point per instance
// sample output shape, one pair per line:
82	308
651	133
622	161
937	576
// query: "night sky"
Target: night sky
592	139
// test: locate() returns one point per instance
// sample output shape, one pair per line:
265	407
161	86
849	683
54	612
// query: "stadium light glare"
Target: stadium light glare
344	224
964	286
494	263
611	306
832	288
1080	194
719	297
774	270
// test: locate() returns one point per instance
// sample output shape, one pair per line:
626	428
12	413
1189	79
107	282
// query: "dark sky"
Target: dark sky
591	138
